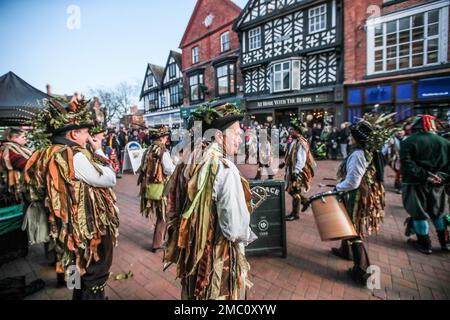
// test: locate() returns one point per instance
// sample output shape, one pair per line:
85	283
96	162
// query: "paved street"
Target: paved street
309	271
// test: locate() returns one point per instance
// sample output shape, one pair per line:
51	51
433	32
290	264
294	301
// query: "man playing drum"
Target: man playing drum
360	176
300	165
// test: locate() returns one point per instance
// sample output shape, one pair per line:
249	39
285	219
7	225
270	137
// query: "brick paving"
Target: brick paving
310	271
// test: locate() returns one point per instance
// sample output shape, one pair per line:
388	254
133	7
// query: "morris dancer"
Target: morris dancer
300	165
75	186
361	179
209	204
156	168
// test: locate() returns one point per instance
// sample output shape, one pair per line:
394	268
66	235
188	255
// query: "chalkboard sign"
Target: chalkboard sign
267	220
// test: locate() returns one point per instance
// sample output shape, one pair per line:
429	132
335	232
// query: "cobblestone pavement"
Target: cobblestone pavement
310	271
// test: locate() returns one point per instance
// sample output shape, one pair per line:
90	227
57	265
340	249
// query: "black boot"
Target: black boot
295	211
270	177
60	280
258	176
96	293
343	251
422	244
444	240
361	262
293	216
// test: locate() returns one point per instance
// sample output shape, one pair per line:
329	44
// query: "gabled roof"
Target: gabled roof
243	14
177	57
194	16
157	72
287	5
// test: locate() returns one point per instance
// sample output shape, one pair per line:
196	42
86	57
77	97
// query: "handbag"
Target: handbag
154	191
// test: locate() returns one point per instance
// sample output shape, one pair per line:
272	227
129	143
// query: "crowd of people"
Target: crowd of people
201	202
327	143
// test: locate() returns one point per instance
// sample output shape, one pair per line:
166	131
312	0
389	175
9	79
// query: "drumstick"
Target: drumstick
321	185
329	179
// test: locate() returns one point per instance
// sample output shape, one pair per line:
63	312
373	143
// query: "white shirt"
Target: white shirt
167	163
228	193
301	157
356	168
86	172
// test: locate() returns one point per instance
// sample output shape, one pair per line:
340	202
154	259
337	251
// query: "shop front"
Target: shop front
169	118
406	98
320	107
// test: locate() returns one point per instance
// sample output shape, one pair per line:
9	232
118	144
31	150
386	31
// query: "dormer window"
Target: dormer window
150	82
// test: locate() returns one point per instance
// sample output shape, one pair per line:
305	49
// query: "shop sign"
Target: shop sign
315	98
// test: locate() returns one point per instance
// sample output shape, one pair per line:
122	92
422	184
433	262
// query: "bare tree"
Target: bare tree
116	102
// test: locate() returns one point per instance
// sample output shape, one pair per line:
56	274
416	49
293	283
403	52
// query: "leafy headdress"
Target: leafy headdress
220	117
58	116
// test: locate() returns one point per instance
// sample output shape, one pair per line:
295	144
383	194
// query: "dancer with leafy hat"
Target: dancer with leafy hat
209	210
13	157
156	168
425	164
360	179
300	166
75	187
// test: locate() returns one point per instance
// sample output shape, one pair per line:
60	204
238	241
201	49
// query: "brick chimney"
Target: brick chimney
49	89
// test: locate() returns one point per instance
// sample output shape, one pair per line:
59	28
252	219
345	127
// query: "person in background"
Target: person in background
425	168
156	169
13	158
333	145
344	133
300	165
123	140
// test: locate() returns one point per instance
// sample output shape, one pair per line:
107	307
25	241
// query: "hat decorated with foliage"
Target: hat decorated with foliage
220	117
156	133
296	124
58	116
373	130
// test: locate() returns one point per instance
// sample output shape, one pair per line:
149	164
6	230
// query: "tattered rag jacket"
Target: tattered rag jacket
297	187
209	215
79	214
365	202
12	160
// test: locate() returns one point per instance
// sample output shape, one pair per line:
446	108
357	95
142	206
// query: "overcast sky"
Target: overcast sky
41	42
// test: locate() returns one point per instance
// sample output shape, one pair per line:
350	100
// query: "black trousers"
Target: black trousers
93	281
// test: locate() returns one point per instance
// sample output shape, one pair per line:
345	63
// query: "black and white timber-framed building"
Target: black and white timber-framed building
162	92
292	60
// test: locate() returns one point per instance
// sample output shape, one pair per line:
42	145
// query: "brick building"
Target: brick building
292	60
210	56
396	57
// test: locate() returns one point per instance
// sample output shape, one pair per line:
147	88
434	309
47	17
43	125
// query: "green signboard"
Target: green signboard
267	220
